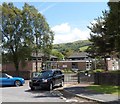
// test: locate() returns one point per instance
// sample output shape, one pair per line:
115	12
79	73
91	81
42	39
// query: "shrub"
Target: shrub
98	70
67	71
114	71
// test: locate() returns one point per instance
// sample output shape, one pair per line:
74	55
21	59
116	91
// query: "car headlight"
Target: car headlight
44	80
22	79
30	81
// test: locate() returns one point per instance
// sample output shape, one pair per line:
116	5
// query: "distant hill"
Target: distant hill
76	46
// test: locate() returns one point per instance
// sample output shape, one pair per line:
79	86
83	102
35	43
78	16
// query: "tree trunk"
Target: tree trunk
16	64
106	65
36	61
119	62
36	53
17	68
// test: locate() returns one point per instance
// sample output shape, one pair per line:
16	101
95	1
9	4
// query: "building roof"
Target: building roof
38	55
78	55
41	55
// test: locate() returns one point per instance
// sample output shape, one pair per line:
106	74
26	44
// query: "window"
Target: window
59	72
88	65
3	75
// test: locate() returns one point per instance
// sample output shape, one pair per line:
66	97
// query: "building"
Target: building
113	64
29	67
79	61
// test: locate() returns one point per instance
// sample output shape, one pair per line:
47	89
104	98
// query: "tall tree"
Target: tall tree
102	45
43	36
16	33
113	24
23	31
111	29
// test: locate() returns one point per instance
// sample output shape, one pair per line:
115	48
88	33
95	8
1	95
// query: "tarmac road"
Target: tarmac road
24	94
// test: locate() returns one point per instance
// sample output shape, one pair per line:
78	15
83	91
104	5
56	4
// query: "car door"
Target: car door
59	74
0	79
55	78
6	80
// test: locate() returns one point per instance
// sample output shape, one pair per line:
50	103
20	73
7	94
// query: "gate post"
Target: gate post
78	76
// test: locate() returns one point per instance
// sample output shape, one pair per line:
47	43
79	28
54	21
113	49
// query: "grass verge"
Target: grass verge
106	89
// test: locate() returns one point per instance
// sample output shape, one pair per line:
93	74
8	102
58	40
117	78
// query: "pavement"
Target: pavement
81	91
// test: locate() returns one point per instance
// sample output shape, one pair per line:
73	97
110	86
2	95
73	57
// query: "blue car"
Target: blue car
7	80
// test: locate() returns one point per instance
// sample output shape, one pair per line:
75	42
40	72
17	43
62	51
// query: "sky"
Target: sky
68	20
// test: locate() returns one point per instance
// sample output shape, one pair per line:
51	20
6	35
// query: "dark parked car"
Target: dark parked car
7	80
46	79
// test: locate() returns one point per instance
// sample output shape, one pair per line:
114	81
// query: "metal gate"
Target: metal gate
86	78
79	78
71	78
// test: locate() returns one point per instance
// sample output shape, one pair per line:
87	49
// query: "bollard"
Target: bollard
78	77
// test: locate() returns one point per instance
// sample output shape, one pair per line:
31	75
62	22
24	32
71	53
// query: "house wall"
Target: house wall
39	65
64	65
23	72
31	65
11	67
110	66
67	64
8	67
113	65
81	65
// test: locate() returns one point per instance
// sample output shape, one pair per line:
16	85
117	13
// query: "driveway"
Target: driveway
24	94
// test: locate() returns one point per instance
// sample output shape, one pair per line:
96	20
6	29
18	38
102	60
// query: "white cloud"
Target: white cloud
47	8
62	28
65	33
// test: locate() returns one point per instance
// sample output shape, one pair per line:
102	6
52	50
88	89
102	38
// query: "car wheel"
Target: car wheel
17	83
50	87
62	84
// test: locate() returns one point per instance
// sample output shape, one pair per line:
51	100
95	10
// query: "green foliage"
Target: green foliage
15	34
105	33
98	70
67	71
103	44
84	48
113	23
114	71
24	31
68	52
57	54
106	89
68	48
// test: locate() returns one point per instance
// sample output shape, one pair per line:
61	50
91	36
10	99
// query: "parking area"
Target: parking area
24	94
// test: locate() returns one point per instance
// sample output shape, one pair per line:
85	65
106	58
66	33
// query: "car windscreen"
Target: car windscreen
9	76
42	74
3	75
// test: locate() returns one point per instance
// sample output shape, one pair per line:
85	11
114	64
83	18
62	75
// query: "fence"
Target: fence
79	78
107	78
70	78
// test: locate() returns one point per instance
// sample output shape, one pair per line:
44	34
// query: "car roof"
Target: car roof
52	70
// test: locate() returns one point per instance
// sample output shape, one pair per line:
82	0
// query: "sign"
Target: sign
64	66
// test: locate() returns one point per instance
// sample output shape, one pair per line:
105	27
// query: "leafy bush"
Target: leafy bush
114	71
67	71
98	70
